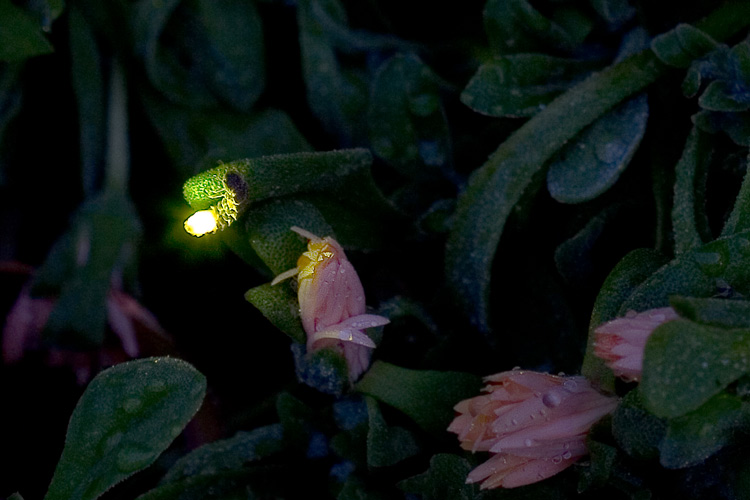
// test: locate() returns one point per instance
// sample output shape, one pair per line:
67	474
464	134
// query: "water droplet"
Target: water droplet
704	364
551	400
132	405
514	422
566	455
570	384
556	459
528	443
133	458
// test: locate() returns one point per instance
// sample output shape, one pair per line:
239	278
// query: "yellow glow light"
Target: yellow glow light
201	222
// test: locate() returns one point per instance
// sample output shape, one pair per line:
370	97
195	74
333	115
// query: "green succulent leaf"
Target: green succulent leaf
216	54
592	163
700	272
680	46
279	305
197	139
386	445
637	431
711	311
697	435
22	36
739	219
516	26
689	221
336	95
426	396
719	96
225	455
406	119
128	415
520	85
446	478
685	364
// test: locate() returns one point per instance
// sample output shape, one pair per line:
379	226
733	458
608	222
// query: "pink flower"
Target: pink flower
535	425
332	302
620	342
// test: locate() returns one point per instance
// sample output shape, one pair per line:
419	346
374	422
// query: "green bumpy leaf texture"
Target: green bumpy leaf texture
592	163
406	120
689	222
702	272
427	396
685	364
520	85
386	445
682	45
693	437
128	415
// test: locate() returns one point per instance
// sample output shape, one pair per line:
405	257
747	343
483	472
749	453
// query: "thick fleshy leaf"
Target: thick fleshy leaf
720	96
636	430
336	95
495	188
516	26
88	84
22	36
713	311
614	12
325	369
592	163
735	125
386	445
406	119
199	138
685	364
280	306
628	274
446	478
230	454
701	272
681	45
689	220
520	85
426	396
216	54
693	437
128	415
739	219
268	229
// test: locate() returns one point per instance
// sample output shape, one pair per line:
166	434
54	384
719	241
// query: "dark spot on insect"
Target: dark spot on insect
238	186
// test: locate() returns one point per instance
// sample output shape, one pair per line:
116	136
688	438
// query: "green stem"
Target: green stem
118	154
495	188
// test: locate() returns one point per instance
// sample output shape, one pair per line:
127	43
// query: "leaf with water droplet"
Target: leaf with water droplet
685	364
591	164
636	430
713	311
123	422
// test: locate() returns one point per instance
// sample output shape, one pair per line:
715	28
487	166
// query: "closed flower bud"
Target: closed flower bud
332	302
620	342
534	424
